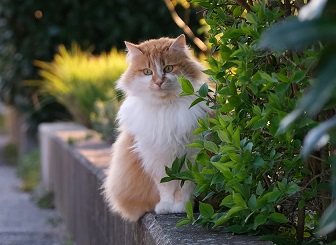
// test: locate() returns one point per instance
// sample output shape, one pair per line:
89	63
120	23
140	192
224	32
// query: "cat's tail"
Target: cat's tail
128	190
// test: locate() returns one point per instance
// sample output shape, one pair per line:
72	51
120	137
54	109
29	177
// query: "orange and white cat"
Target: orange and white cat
155	125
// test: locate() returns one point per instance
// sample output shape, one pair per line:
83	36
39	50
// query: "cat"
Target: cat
155	125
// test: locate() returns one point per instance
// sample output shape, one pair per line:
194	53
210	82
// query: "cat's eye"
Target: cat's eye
147	71
168	69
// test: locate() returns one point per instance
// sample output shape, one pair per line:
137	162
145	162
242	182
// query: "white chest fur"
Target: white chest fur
160	131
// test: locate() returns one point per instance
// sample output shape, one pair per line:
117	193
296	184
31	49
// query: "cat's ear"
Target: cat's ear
179	42
132	49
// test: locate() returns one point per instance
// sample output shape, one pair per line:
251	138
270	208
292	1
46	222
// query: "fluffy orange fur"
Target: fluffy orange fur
138	194
155	124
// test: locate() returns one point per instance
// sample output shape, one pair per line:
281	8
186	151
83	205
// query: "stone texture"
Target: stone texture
163	228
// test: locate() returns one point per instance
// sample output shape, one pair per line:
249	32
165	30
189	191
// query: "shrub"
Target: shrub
103	119
251	178
78	80
320	100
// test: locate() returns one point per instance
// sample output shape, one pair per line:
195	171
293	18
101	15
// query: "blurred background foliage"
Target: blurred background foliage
85	84
32	30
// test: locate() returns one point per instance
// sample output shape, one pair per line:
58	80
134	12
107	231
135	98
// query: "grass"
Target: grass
28	169
46	201
2	124
10	153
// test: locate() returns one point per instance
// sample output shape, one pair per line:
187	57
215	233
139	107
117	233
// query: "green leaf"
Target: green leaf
259	189
206	210
298	76
233	88
318	137
223	169
185	175
274	196
189	210
260	219
234	101
166	179
278	217
237	11
195	102
328	220
252	203
203	91
253	121
259	162
195	145
262	200
292	188
211	146
200	188
252	18
183	222
294	34
168	171
256	110
227	202
228	215
239	200
236	138
186	85
178	164
224	136
260	124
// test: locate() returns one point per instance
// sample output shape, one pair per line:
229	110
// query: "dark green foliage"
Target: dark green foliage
250	177
321	98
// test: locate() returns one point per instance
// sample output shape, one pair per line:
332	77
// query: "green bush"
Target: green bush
315	27
251	178
78	80
103	118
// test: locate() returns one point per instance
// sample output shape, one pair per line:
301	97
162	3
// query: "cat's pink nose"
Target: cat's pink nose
159	83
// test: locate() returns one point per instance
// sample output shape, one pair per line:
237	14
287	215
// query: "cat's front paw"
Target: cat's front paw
164	207
179	207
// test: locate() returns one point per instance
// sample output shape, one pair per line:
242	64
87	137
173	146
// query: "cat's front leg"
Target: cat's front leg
173	198
167	197
182	196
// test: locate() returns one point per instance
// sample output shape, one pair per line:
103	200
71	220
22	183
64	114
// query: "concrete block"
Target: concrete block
46	131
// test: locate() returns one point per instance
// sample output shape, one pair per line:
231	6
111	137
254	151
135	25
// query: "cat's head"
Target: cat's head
154	67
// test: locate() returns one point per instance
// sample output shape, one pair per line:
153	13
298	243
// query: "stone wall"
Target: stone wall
73	162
